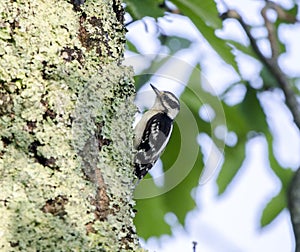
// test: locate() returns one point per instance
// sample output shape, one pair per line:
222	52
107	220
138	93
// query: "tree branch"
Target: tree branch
272	35
294	206
290	98
272	65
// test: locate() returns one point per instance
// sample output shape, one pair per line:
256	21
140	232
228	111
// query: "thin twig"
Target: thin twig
273	67
194	246
282	14
272	35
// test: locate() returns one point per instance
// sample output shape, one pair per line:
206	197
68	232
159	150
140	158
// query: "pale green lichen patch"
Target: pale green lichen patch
62	85
99	36
115	159
44	67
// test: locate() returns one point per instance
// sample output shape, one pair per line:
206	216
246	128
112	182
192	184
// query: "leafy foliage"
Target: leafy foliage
206	18
273	208
184	168
242	118
139	9
246	119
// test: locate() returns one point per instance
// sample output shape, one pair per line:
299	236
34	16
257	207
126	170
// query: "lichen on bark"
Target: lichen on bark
66	112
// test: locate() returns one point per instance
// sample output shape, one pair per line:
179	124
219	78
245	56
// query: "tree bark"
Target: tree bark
294	207
66	112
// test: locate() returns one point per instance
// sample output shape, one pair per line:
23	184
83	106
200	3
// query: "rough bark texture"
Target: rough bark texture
65	128
294	207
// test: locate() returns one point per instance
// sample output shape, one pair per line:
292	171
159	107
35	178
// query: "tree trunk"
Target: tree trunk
66	112
294	207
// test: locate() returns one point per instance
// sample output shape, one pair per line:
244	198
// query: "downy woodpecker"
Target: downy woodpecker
153	131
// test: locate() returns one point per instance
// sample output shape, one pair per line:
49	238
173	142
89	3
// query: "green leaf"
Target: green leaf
245	49
279	202
252	112
242	118
205	9
284	174
149	219
234	157
268	78
179	199
194	97
139	9
205	16
131	47
273	208
247	115
174	43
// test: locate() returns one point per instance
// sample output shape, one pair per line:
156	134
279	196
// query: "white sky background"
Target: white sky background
231	222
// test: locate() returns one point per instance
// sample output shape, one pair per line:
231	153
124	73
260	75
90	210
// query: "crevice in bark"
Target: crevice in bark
56	206
90	162
70	54
49	162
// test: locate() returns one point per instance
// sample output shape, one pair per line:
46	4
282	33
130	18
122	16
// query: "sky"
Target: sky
231	222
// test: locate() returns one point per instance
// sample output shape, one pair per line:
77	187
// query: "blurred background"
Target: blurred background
222	183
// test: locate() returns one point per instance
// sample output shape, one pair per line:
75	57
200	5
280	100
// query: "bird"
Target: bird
153	131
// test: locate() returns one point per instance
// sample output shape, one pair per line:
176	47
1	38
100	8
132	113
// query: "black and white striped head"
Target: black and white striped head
166	102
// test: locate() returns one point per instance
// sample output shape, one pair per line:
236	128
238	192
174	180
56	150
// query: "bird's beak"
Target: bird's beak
157	92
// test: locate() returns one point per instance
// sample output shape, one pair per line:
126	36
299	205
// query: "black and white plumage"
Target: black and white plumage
153	131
